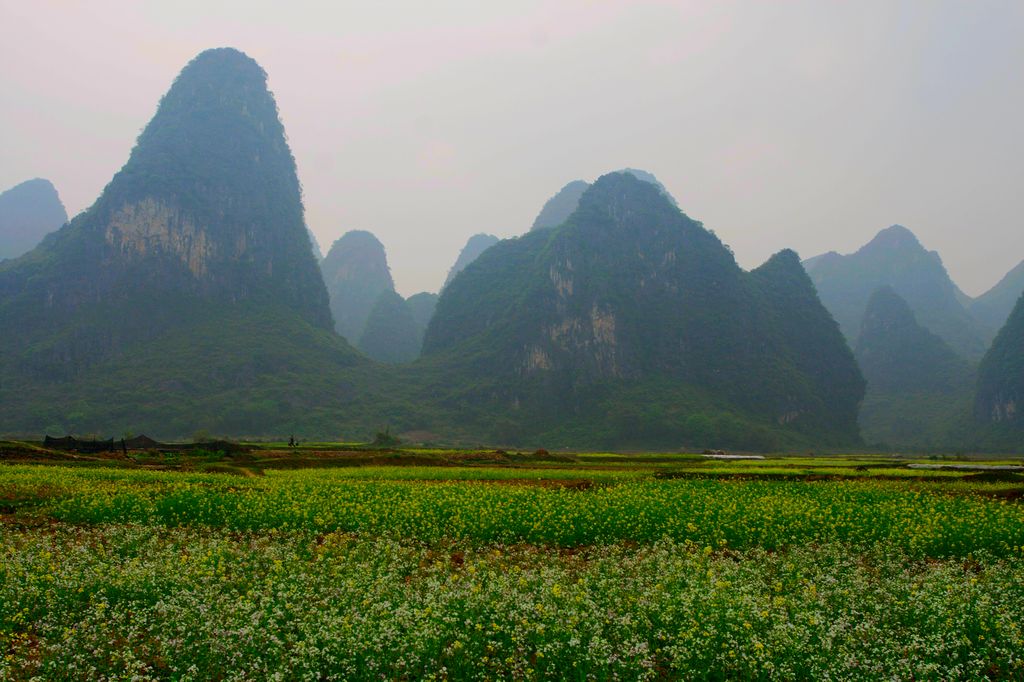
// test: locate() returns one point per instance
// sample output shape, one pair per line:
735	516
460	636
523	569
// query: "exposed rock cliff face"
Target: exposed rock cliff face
150	228
28	212
356	272
630	292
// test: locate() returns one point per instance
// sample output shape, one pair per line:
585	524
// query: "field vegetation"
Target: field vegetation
346	563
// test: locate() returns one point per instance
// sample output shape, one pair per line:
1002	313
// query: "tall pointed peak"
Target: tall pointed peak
193	272
895	257
208	202
220	119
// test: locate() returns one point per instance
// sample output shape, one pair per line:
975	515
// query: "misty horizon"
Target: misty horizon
804	127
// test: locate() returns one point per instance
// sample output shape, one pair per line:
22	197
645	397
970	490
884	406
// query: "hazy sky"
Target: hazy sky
808	125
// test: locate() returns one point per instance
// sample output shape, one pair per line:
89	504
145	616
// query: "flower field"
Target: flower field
496	573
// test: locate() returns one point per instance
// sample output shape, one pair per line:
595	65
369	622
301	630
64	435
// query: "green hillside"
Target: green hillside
391	334
917	386
1000	397
632	323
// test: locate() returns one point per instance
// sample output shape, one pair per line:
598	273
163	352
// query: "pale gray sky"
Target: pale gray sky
808	125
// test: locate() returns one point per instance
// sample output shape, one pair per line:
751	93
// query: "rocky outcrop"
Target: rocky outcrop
152	228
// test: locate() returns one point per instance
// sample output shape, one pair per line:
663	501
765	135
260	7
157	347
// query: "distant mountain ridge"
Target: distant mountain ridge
367	310
559	207
895	258
356	273
476	245
189	297
993	308
28	212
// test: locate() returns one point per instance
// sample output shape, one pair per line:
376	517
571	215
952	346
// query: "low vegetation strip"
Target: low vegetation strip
151	602
930	519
